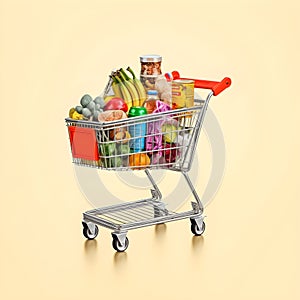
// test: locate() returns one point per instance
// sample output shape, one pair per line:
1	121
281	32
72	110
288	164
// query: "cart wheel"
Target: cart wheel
195	228
87	233
117	245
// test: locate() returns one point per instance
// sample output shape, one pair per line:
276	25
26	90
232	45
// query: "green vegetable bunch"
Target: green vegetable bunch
114	154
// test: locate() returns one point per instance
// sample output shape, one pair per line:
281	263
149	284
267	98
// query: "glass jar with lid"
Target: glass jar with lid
150	69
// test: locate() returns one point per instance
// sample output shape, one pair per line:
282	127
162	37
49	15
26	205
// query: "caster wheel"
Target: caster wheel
88	234
118	247
196	230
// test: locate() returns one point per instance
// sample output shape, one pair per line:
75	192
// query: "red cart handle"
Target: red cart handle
216	86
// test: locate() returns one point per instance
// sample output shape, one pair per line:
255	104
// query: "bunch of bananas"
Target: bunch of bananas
129	89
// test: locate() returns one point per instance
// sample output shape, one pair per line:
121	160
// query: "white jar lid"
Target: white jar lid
150	58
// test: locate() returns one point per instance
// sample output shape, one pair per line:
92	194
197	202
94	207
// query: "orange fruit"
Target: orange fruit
139	159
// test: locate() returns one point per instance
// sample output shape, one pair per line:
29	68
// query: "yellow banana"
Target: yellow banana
139	86
116	88
125	92
131	88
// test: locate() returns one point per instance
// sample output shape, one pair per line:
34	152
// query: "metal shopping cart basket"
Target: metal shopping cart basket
170	141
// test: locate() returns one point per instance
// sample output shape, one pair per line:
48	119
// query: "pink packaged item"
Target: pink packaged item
154	136
154	139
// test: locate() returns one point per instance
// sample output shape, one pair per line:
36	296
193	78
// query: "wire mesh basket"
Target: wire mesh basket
167	142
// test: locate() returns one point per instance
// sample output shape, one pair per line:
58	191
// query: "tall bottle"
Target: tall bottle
150	103
137	129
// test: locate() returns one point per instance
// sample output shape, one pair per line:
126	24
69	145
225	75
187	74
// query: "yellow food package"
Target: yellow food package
71	111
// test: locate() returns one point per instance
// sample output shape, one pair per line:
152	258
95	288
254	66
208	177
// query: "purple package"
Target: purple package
154	135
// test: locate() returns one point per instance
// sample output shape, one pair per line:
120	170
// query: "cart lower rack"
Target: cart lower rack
167	141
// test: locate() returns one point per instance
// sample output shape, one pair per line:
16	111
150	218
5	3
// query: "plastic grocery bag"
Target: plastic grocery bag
157	129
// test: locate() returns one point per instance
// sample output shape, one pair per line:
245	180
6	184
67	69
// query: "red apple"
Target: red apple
116	103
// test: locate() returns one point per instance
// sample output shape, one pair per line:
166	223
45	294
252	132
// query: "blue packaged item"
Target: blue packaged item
138	129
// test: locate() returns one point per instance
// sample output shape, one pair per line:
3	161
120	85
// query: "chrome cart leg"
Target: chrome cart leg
197	223
120	241
196	206
156	194
160	210
90	230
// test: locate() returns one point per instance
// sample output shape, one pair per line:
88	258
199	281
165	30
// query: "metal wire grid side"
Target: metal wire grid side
176	130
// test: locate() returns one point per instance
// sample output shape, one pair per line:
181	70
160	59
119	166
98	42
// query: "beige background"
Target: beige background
52	52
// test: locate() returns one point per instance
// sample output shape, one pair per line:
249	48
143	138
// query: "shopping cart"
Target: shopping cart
169	141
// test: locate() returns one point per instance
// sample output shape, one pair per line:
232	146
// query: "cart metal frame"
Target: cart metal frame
120	218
